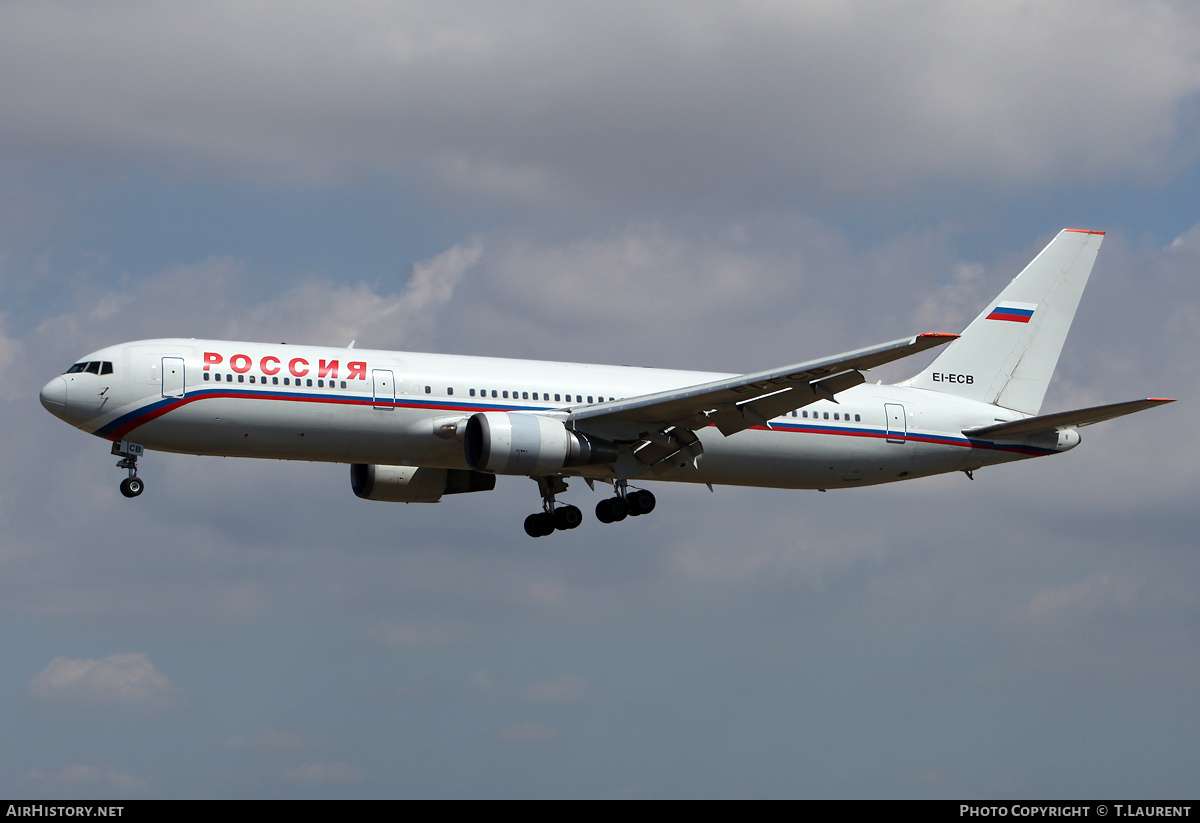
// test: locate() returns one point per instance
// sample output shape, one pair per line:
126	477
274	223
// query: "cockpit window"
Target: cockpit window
92	367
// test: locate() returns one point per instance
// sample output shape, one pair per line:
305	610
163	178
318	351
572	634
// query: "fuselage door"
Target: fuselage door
172	377
897	430
383	383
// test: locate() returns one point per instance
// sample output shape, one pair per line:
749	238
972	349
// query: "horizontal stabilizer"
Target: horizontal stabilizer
1063	420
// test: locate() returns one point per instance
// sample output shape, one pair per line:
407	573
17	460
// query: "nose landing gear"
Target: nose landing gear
129	453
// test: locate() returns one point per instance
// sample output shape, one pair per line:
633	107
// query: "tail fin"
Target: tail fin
1007	355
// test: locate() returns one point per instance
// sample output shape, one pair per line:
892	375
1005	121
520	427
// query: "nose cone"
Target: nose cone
54	396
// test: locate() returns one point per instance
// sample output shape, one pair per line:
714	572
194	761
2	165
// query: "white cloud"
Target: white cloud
214	291
319	775
78	780
566	689
119	682
541	100
528	733
481	683
11	353
1101	590
413	635
275	740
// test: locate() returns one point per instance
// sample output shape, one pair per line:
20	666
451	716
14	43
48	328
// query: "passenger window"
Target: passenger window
857	418
343	384
449	391
826	415
251	378
206	376
525	395
472	392
308	382
836	416
320	383
428	390
493	392
241	378
287	381
557	399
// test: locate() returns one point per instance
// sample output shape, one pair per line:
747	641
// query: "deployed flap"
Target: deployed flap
739	402
1064	420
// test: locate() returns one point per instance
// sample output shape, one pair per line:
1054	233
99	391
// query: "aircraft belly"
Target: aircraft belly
808	460
237	427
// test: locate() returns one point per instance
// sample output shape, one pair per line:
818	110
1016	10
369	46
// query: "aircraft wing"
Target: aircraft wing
737	403
1046	423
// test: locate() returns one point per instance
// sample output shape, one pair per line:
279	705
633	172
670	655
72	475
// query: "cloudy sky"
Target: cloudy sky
725	186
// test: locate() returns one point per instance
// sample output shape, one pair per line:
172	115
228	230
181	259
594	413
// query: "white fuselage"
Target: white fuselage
400	409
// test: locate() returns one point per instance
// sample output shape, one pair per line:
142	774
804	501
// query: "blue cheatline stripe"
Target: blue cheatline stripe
118	428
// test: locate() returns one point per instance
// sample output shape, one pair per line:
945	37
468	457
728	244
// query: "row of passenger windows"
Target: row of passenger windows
497	393
543	396
560	398
241	378
825	415
92	367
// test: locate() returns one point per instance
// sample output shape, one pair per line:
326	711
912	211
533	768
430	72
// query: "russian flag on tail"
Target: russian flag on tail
1013	312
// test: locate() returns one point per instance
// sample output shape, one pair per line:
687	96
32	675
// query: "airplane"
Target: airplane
415	427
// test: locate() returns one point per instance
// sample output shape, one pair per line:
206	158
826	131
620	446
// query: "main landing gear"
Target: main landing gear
554	517
129	453
625	503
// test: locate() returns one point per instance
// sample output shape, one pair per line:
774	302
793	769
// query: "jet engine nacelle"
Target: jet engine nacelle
408	484
530	444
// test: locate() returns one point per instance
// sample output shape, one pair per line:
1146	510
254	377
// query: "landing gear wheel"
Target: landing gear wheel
567	517
539	525
640	502
611	510
132	486
604	511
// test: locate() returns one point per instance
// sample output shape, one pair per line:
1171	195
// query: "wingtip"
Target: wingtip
1161	399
